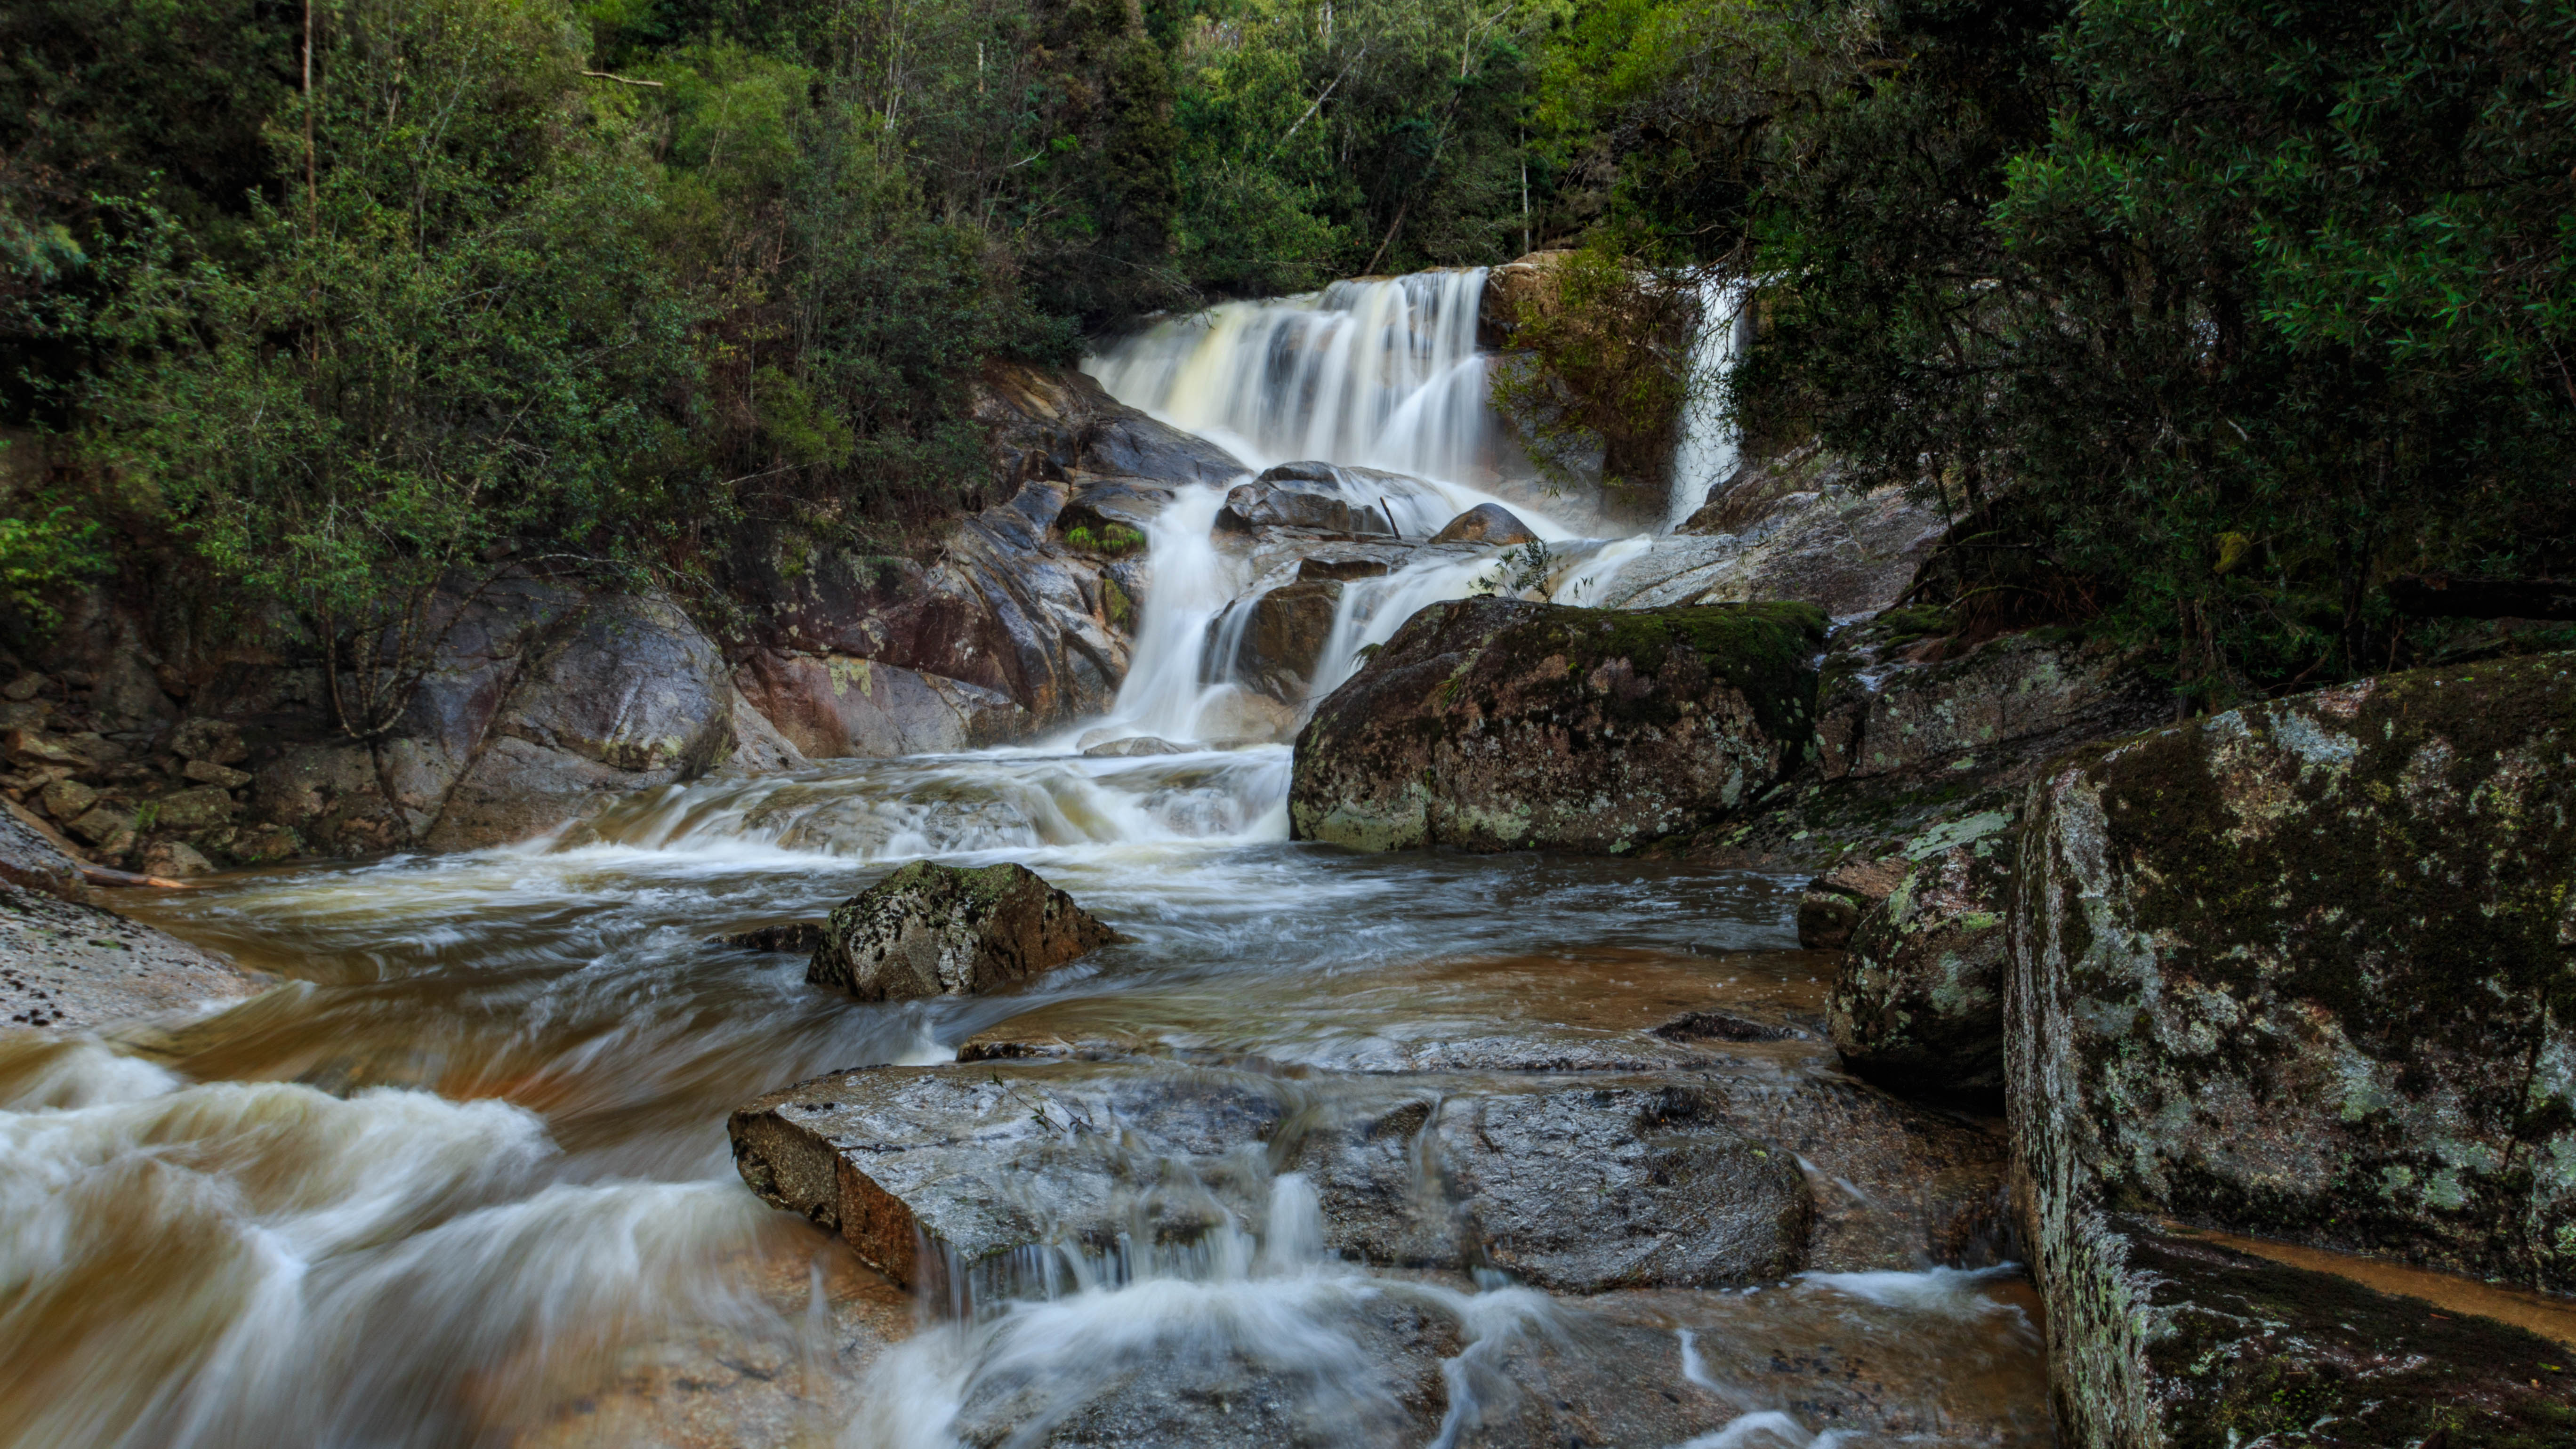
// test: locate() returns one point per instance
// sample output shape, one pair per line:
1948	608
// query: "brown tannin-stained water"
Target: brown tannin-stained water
465	1179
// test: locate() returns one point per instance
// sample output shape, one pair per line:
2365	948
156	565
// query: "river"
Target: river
464	1179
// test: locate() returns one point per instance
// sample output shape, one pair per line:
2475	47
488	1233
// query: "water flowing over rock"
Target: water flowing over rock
1425	1173
2305	970
938	930
1380	373
1493	724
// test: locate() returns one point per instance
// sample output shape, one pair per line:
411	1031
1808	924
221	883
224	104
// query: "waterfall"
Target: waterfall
1381	373
1706	453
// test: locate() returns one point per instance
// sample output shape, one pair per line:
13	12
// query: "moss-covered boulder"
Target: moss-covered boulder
2175	1342
2307	970
1917	1005
1494	724
938	930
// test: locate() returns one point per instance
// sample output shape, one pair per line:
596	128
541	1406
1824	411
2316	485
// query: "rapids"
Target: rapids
464	1177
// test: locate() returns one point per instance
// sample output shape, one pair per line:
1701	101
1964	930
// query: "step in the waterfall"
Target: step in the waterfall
997	1181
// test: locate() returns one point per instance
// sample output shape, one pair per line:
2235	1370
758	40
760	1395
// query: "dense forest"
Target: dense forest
2245	329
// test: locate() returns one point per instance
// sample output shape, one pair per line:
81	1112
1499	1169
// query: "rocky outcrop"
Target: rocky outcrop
2304	970
1493	724
1850	555
1918	999
834	707
1490	524
939	930
2308	970
68	966
2166	1342
1424	1173
1051	422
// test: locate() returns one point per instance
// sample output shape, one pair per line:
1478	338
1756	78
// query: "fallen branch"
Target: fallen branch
621	80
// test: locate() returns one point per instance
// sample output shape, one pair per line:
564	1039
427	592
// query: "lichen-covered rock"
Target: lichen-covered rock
2158	1341
939	930
1494	724
2307	970
1831	906
1918	1000
1884	714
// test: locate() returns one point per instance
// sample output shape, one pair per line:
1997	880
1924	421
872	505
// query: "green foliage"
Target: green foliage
1112	540
444	349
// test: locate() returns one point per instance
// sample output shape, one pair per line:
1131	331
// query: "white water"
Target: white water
1709	449
1382	374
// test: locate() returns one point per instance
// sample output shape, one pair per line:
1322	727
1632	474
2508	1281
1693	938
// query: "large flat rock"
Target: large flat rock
943	1175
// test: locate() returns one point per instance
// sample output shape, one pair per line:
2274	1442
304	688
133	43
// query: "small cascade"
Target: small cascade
1708	450
1379	373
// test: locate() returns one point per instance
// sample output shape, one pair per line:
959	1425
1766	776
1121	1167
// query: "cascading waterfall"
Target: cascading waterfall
1383	374
1708	450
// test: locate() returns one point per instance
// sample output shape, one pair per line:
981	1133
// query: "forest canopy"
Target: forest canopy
2237	328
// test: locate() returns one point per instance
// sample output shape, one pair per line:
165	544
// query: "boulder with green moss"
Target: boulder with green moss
940	930
1917	1005
2307	970
1494	724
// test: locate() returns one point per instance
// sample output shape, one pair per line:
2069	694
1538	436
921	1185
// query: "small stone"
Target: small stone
209	773
25	687
214	740
28	748
1137	745
256	844
198	809
68	800
109	829
176	859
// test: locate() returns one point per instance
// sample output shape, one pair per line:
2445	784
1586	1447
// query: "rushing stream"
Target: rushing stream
465	1179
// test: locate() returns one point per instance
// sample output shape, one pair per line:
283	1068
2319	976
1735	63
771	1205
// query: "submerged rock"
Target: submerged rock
797	937
2307	970
1577	1184
1486	523
1918	1001
1493	724
939	930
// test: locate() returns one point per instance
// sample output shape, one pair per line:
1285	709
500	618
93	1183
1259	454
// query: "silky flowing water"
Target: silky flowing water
464	1178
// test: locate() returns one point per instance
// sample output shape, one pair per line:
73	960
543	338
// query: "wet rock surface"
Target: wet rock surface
2307	970
1325	497
1492	724
1851	555
67	966
2164	1339
1487	523
939	930
1918	999
1280	636
989	1159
